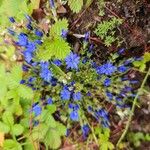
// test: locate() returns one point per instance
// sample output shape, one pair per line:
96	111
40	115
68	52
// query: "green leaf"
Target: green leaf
56	28
147	57
53	139
15	8
11	145
3	82
75	5
8	118
61	129
51	108
4	127
56	47
50	121
14	77
25	92
17	129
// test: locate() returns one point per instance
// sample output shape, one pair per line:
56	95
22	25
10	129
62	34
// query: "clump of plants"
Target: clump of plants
56	88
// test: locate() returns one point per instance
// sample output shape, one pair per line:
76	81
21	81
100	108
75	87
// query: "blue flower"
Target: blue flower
105	123
46	74
11	19
107	82
31	47
49	101
109	95
31	79
86	36
39	42
25	68
74	115
65	94
29	26
72	61
52	3
10	31
85	130
77	96
28	18
38	33
28	56
23	39
102	113
57	62
73	106
90	108
121	51
122	69
107	69
64	33
54	81
37	110
22	81
88	93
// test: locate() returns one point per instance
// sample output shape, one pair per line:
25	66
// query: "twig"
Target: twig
133	108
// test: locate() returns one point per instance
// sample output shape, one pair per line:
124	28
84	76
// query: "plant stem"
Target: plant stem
133	108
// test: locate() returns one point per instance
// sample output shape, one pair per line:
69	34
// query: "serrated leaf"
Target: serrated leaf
8	118
61	129
56	28
17	129
56	47
25	92
11	145
147	57
14	77
75	5
4	127
53	139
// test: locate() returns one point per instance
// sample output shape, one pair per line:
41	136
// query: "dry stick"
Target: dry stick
133	108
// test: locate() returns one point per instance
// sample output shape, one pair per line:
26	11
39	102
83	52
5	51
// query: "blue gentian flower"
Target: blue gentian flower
72	61
74	115
77	96
107	69
121	51
102	113
109	95
10	31
37	110
54	81
31	47
64	33
27	56
28	18
29	26
52	3
85	130
90	108
31	79
38	33
65	94
25	68
39	42
45	73
57	62
122	69
11	19
22	81
49	101
86	36
107	82
88	93
23	39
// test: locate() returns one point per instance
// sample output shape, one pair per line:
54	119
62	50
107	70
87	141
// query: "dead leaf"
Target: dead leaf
1	139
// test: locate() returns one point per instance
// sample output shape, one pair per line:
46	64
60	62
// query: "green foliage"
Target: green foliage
103	138
141	64
55	47
56	28
11	145
106	32
137	138
101	4
75	5
49	131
